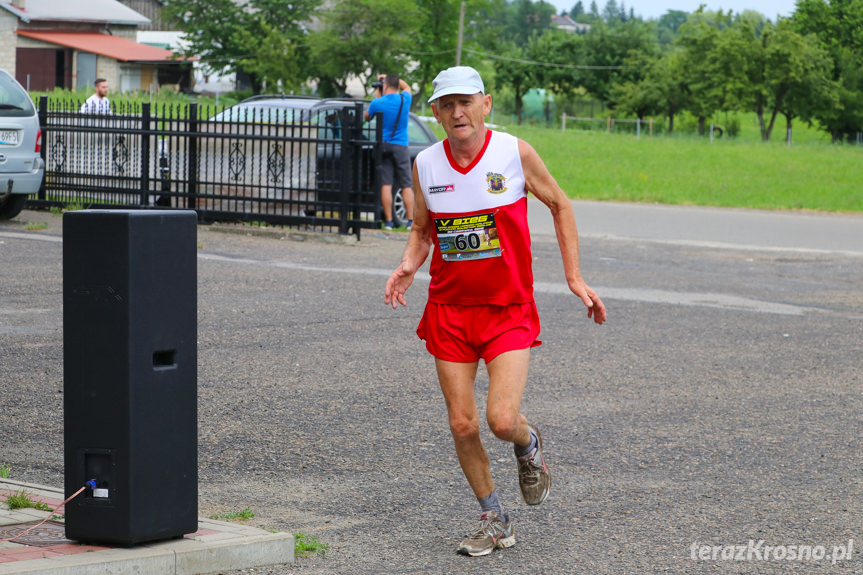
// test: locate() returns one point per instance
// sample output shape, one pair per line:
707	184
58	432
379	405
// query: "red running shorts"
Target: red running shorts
466	333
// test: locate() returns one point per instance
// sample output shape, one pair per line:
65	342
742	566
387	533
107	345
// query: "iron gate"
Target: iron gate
295	169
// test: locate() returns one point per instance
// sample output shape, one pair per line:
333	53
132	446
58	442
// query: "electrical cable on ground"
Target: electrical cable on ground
89	485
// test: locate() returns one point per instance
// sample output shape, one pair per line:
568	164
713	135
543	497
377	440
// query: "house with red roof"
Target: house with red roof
68	44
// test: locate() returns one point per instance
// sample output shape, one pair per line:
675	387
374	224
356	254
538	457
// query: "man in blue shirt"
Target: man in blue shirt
393	100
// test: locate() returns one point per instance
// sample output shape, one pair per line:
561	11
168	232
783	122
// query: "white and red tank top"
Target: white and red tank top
479	218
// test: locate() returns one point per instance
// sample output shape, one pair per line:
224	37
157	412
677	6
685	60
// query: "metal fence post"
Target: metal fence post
358	163
347	169
379	155
145	153
192	165
43	121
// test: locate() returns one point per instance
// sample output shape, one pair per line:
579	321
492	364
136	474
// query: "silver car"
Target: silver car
21	166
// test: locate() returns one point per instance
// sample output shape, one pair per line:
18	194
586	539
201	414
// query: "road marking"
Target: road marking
721	245
37	237
710	300
713	300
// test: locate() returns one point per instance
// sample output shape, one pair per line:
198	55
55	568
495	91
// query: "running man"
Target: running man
472	212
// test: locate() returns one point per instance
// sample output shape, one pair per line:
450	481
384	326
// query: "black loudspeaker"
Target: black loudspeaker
130	374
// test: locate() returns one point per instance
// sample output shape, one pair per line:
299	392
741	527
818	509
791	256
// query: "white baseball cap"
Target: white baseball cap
457	80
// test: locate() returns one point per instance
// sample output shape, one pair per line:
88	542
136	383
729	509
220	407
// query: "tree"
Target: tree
362	38
660	91
219	32
665	74
577	10
639	97
805	89
609	47
795	79
275	64
526	19
515	75
561	50
668	24
737	62
435	39
697	66
610	12
837	25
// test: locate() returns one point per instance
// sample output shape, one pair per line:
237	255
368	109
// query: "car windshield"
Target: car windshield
14	101
416	135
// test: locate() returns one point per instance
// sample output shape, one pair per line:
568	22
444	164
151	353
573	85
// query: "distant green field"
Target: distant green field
812	174
743	172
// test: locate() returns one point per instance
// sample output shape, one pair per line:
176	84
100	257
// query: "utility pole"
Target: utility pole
460	35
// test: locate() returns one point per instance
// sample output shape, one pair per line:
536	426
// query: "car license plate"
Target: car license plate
9	137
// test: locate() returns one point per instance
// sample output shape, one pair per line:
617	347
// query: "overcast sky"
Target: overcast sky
656	8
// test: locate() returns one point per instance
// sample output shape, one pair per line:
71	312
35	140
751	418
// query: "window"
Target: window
14	101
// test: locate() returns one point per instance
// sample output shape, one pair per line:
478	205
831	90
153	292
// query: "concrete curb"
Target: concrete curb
221	547
282	233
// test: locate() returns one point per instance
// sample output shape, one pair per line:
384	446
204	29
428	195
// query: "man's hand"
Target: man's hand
595	307
399	282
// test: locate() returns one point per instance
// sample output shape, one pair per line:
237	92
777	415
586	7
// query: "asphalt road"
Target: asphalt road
720	403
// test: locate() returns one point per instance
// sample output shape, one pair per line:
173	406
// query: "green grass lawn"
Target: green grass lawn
690	170
812	174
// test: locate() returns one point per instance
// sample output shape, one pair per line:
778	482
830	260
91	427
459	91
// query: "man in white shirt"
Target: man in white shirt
98	103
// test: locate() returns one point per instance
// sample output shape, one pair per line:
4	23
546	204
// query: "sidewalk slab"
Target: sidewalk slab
216	546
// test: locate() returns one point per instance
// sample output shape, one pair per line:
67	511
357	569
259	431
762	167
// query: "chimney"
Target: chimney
20	4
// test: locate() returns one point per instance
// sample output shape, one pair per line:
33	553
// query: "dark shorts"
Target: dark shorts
466	333
396	166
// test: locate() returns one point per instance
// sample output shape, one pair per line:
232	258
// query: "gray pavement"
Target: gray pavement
719	405
757	230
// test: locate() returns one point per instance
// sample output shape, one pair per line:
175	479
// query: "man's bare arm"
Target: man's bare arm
542	185
416	251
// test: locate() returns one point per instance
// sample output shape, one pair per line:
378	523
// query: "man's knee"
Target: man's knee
503	423
463	428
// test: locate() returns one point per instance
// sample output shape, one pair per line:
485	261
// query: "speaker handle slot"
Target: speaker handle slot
165	359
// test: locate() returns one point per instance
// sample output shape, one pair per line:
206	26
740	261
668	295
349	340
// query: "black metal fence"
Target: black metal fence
311	167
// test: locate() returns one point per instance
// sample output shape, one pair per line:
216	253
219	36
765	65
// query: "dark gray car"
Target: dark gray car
321	117
21	166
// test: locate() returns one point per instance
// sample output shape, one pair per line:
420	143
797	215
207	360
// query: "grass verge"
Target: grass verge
243	515
21	500
692	171
305	545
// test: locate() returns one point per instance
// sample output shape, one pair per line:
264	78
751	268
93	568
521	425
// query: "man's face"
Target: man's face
102	89
462	116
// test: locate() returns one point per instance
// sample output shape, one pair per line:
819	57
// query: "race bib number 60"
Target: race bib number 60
468	238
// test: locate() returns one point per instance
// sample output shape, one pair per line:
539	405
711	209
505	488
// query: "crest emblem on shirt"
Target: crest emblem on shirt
496	183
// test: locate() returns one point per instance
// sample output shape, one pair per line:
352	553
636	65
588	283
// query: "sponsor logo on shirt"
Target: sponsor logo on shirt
439	189
496	183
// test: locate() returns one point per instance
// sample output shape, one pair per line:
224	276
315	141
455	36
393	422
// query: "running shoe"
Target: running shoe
534	478
494	532
388	226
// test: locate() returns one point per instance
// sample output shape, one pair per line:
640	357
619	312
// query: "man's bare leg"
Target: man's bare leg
387	202
507	375
408	197
507	380
457	384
